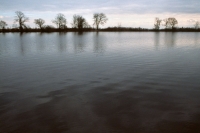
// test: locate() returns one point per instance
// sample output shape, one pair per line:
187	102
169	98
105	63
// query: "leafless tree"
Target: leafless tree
157	23
21	19
166	23
60	21
39	22
3	24
197	25
170	22
99	18
79	22
119	25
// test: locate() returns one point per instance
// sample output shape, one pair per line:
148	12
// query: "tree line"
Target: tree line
170	23
79	23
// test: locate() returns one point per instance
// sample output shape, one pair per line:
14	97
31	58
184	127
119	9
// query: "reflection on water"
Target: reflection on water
157	39
79	42
99	47
197	39
22	41
62	41
170	39
100	82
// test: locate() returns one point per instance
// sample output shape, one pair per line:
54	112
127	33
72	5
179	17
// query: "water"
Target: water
100	82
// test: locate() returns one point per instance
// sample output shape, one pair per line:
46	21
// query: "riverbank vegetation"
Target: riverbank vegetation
79	23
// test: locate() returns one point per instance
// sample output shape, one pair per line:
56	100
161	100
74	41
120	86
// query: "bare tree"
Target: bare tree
74	21
21	19
166	23
170	22
3	24
60	21
197	25
79	22
99	18
119	25
39	22
157	23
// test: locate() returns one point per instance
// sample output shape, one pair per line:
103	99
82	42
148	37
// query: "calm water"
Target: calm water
141	82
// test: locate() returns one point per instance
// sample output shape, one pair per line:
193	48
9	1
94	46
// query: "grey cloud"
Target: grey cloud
111	6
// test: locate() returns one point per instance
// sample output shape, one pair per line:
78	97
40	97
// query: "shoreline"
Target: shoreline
93	30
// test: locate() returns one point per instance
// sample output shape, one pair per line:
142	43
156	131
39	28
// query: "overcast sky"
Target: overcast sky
129	13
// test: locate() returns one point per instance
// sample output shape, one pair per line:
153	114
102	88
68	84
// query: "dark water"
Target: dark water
100	82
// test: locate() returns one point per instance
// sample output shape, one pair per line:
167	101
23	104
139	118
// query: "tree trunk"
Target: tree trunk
97	27
20	28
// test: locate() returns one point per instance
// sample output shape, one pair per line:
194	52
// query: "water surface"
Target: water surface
100	82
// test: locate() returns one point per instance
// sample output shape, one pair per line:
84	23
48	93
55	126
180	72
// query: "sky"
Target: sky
127	13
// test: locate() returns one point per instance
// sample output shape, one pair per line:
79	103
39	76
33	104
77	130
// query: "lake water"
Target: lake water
143	82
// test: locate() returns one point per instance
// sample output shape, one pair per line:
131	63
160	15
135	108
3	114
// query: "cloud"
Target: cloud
128	12
111	6
1	16
191	20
